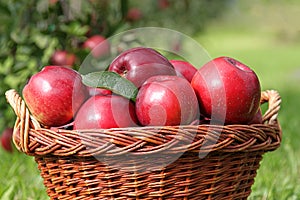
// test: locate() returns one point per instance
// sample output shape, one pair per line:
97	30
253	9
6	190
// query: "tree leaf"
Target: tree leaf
112	81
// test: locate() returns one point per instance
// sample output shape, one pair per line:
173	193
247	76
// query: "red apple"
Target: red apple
163	4
63	58
140	63
109	111
258	118
98	45
54	95
184	68
133	14
166	100
98	91
227	90
52	2
6	139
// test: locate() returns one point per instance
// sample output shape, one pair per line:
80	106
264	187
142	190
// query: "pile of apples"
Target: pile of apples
167	93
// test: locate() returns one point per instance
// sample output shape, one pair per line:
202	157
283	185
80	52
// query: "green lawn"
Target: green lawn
19	178
277	64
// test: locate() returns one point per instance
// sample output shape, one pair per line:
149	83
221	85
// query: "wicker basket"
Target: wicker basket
212	161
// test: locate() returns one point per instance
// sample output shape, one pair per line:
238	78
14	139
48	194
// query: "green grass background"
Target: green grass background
262	34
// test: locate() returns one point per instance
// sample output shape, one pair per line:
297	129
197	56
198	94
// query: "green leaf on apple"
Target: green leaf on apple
111	81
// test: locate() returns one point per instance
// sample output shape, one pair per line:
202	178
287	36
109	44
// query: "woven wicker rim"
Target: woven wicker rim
32	138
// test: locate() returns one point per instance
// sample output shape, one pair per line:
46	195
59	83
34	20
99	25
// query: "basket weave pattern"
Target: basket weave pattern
212	161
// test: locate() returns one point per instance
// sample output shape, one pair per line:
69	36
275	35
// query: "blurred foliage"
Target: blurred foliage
186	16
32	30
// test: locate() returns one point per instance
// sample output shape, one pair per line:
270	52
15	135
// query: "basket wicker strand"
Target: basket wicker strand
171	162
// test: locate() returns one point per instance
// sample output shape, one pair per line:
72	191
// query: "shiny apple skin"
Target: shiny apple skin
166	100
103	112
227	90
54	95
98	91
258	118
184	69
140	63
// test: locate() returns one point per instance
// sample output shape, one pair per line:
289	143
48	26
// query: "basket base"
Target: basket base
217	176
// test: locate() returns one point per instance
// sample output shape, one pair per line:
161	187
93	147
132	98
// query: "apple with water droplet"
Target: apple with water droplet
227	90
109	111
54	94
166	100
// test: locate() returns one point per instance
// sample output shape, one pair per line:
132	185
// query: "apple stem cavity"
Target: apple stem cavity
239	65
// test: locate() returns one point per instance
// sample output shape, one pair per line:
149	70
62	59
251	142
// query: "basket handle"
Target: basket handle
274	100
24	120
